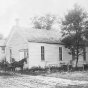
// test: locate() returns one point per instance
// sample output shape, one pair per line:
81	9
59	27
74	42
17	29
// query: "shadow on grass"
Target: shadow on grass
8	74
72	86
33	73
5	74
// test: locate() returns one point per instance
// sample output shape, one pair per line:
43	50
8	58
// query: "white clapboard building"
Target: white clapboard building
41	47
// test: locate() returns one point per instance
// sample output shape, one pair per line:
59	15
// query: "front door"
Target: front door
21	55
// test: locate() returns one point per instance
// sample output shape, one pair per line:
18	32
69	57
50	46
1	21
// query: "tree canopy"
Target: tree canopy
74	29
43	22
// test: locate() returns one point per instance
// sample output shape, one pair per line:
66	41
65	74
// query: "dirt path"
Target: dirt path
36	82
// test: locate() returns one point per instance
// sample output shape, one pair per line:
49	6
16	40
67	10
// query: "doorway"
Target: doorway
24	54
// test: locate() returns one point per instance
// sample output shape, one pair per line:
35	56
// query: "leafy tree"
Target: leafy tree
43	22
1	36
74	31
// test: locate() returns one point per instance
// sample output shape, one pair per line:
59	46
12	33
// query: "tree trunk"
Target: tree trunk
77	58
77	62
84	54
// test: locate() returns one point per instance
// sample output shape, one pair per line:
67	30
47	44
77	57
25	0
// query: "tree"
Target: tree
43	22
1	36
74	31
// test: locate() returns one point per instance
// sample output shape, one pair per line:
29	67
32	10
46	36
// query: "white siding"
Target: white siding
87	54
80	61
16	43
34	55
2	54
51	54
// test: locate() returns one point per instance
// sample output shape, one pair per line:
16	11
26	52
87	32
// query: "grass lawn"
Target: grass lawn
76	75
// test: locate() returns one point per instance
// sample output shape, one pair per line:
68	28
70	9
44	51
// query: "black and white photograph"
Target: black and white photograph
43	43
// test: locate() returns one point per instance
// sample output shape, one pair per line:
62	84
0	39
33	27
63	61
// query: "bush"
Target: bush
37	69
85	66
52	69
78	69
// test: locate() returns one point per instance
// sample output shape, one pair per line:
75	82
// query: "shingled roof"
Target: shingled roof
40	35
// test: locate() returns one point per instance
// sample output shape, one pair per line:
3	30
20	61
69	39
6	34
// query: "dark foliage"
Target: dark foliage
74	31
44	22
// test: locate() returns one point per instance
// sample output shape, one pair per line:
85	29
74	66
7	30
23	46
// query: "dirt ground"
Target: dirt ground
54	80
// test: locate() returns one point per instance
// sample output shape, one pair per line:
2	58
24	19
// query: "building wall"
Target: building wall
87	54
16	43
51	54
2	54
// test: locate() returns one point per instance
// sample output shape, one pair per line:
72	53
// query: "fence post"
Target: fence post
68	67
83	67
49	69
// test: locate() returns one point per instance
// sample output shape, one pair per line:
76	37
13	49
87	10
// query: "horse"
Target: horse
20	64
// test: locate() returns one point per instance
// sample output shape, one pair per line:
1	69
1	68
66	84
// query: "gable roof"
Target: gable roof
37	35
40	35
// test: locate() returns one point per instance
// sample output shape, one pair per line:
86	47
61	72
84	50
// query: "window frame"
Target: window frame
60	54
42	53
24	50
3	49
84	54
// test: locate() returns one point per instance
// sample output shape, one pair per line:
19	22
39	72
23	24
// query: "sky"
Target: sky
26	9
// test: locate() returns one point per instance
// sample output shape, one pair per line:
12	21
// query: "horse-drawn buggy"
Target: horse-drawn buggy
5	66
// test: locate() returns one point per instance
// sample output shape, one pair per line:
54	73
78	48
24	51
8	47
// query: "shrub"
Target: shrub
77	68
85	66
35	69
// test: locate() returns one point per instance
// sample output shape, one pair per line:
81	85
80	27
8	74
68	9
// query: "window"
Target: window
3	49
26	53
60	53
42	53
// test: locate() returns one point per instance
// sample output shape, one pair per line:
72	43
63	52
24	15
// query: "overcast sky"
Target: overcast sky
25	9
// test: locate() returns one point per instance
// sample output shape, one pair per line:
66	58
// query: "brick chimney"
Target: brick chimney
17	21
